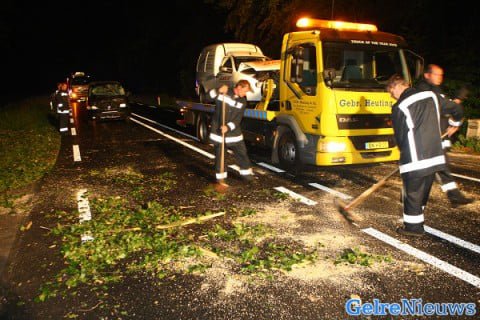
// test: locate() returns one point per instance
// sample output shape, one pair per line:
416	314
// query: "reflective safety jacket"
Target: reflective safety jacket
445	120
234	109
416	123
61	101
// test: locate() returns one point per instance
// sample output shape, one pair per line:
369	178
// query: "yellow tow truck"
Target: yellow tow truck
328	104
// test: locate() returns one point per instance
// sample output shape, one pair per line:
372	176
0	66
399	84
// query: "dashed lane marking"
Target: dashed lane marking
166	127
425	257
465	177
76	153
296	196
334	192
203	152
270	167
84	211
71	120
207	154
453	239
74	132
315	185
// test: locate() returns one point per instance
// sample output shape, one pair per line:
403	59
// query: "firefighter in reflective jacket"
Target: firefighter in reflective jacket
433	78
235	103
416	125
61	103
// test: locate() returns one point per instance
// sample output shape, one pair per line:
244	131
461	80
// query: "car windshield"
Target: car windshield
239	60
108	89
80	81
361	66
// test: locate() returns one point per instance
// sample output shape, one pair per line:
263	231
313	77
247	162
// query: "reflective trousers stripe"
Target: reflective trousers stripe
449	186
413	219
221	175
246	172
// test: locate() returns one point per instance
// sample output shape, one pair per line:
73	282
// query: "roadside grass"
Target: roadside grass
29	145
467	145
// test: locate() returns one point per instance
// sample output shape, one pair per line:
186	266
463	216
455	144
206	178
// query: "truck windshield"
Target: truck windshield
360	66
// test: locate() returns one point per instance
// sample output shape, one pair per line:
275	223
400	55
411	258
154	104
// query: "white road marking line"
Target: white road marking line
453	239
84	211
234	167
334	192
166	127
203	152
76	153
296	196
71	120
465	177
425	257
74	132
270	167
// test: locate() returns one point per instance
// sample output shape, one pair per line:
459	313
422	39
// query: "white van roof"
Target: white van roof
234	47
241	47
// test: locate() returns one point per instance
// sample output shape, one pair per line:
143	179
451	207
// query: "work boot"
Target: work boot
410	233
457	198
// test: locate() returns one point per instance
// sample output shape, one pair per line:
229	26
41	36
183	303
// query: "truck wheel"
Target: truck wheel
203	128
288	151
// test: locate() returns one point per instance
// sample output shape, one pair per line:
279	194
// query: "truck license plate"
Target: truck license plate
376	145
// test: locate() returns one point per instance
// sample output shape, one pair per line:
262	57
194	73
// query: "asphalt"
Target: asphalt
119	144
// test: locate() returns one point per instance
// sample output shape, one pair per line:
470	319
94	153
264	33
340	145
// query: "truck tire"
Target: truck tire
203	128
204	98
288	152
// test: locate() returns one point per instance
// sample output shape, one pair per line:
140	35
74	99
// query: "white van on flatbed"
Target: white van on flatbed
227	56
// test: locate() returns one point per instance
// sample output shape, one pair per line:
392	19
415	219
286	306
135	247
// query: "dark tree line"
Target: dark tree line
442	32
152	46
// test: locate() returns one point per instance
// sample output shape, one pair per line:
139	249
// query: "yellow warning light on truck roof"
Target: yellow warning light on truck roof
332	24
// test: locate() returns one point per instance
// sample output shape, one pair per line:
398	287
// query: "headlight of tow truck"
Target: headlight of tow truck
332	146
123	105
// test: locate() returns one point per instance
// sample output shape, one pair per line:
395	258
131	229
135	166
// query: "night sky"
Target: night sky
149	47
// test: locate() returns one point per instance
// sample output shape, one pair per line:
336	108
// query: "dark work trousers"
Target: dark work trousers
446	181
241	157
63	121
415	196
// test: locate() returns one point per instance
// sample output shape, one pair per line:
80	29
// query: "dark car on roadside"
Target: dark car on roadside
107	100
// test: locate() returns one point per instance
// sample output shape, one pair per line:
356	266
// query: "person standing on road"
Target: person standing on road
432	79
62	105
235	104
416	125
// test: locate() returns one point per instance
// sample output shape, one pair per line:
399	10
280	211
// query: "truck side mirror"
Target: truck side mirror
415	62
297	65
419	68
